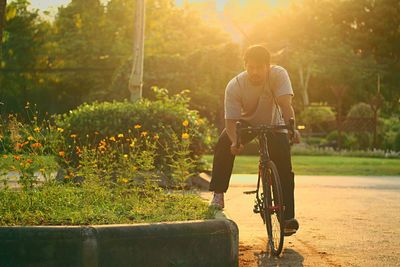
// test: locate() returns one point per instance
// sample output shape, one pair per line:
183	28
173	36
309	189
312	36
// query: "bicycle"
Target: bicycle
269	204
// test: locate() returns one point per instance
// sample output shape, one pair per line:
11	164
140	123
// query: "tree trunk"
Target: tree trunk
3	4
136	78
339	92
304	78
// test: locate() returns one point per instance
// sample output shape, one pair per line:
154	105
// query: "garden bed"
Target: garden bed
64	204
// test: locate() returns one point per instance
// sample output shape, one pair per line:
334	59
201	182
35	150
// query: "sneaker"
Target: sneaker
291	226
218	201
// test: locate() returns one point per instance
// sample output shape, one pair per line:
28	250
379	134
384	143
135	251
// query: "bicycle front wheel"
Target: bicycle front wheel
273	208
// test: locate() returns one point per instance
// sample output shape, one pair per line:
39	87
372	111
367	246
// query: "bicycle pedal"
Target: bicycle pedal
249	192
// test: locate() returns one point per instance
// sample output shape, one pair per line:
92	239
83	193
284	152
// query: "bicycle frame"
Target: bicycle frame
263	152
262	165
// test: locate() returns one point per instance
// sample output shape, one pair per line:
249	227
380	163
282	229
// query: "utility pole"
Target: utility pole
136	78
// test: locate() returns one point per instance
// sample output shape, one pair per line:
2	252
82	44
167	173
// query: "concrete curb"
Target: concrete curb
194	243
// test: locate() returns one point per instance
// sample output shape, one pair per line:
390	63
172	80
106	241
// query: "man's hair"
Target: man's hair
257	53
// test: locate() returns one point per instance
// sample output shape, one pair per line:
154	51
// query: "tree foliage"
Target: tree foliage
85	53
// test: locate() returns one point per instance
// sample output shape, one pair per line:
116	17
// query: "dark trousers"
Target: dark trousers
279	151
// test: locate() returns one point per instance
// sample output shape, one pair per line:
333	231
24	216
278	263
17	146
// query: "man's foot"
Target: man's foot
218	201
291	226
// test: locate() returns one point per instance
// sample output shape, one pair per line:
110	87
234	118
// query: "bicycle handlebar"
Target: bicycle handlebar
261	129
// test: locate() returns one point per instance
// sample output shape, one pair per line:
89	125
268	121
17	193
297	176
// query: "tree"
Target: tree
3	4
314	50
25	39
181	52
81	42
371	28
86	54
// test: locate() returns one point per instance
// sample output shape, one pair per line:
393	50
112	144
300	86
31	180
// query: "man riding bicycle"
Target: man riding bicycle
260	95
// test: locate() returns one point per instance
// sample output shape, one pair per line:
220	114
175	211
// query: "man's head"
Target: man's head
257	62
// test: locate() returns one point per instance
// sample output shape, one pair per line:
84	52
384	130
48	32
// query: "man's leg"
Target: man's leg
223	162
279	150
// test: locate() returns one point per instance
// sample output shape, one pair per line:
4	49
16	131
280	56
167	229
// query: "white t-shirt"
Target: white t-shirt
255	104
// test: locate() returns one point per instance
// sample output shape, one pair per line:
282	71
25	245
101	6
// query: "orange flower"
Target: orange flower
16	157
137	126
36	145
61	154
185	123
102	145
5	156
29	161
73	136
156	137
143	134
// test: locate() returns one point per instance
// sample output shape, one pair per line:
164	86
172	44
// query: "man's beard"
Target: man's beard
257	80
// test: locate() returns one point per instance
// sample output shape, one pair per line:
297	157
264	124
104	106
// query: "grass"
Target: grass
325	165
63	204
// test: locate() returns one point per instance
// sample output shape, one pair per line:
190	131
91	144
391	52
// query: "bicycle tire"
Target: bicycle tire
273	208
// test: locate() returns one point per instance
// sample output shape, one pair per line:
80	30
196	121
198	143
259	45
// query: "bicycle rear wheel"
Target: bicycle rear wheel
273	208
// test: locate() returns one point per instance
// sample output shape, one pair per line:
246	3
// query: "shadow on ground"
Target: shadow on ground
289	257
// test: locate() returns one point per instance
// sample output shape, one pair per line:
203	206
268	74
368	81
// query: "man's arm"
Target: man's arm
230	126
285	103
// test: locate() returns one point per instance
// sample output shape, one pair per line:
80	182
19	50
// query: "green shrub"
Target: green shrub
349	141
391	134
313	140
316	114
318	118
360	110
165	118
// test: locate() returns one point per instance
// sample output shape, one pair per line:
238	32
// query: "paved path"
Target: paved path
344	221
11	178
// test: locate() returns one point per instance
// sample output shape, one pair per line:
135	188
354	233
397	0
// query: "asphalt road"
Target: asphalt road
344	221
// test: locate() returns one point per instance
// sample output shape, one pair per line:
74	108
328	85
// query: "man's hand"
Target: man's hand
235	150
295	137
